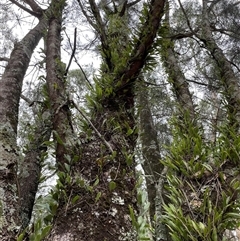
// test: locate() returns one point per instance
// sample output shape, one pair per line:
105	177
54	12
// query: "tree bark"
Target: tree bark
175	75
228	78
10	91
153	168
31	165
103	178
56	87
150	148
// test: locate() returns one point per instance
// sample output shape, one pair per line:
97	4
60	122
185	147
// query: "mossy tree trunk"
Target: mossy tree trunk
100	186
11	218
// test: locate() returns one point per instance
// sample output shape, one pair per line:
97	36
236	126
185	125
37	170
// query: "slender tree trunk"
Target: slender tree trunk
56	86
152	166
228	79
30	166
10	91
175	75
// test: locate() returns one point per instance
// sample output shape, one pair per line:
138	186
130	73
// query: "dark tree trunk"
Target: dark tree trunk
10	91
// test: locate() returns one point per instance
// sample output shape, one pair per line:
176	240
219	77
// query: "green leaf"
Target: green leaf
214	234
59	140
47	143
96	182
232	215
99	194
74	200
53	207
45	231
68	158
67	167
112	185
132	216
48	218
130	131
20	237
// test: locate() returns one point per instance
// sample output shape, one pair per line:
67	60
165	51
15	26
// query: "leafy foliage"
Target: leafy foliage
202	190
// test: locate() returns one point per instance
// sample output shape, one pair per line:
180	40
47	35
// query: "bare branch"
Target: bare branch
123	10
236	3
133	3
85	76
34	6
4	59
87	16
26	99
102	33
35	14
73	52
212	5
183	35
93	127
185	14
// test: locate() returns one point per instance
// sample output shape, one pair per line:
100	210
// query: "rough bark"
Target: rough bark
10	90
30	166
228	79
152	166
175	74
150	148
104	177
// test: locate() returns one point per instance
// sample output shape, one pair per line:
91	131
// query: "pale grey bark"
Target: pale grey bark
175	75
227	77
152	166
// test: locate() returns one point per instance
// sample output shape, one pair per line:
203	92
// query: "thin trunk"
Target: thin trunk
175	74
152	166
56	86
228	79
10	91
30	167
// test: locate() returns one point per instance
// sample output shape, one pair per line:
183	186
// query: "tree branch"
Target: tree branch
35	14
144	44
87	16
133	3
93	127
102	33
85	76
34	6
183	35
4	59
185	14
73	52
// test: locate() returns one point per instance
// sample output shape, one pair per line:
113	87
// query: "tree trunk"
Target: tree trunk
228	79
99	187
175	75
153	168
30	167
10	91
